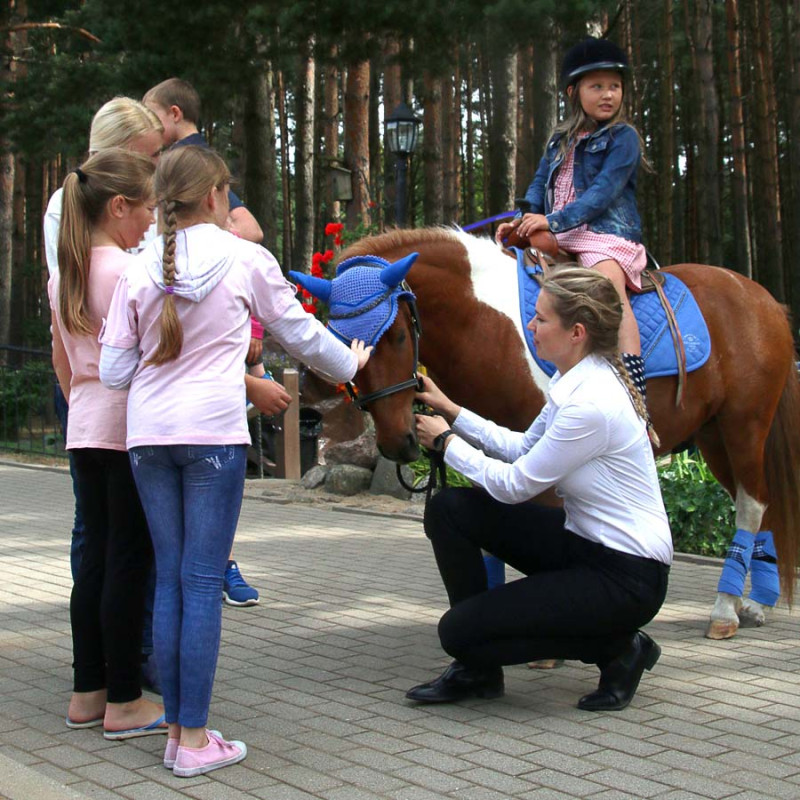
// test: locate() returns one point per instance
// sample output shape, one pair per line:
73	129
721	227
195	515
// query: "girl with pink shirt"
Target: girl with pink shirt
178	331
107	207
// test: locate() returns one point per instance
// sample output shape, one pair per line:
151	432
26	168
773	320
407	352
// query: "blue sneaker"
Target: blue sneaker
236	591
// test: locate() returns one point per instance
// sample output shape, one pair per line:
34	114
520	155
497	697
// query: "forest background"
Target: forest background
294	92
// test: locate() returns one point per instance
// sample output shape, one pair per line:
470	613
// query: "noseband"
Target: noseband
361	401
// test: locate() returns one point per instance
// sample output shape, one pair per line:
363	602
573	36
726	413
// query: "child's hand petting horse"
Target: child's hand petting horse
362	351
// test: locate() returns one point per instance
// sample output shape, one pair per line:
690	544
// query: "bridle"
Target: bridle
360	401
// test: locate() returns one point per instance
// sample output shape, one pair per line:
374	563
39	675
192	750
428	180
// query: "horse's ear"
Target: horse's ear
319	287
395	273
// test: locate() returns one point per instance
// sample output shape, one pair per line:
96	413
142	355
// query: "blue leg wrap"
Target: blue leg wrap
737	562
766	586
495	570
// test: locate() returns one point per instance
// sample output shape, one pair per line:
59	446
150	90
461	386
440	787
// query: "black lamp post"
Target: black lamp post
401	138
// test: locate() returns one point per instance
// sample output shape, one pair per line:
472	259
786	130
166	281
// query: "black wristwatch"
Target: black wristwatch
438	443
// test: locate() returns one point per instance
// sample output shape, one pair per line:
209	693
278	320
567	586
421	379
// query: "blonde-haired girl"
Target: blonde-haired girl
107	205
178	331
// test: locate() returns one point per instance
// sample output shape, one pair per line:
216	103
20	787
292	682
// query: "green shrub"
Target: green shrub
23	395
701	513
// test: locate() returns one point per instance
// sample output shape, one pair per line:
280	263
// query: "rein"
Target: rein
361	401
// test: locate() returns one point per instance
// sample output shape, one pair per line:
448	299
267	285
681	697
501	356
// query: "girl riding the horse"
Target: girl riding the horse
585	188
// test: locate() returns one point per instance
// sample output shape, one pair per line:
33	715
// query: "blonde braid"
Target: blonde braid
170	341
636	396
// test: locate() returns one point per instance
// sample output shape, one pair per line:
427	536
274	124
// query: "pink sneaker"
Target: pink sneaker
172	751
191	761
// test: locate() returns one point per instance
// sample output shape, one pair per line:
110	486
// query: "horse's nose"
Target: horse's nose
410	451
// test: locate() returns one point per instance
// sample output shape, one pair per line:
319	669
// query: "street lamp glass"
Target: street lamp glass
401	131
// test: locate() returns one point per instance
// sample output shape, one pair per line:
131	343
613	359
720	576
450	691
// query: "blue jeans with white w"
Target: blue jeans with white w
192	495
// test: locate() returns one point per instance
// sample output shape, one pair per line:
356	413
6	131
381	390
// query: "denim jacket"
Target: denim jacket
606	163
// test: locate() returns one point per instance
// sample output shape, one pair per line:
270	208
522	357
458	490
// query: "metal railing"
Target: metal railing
28	420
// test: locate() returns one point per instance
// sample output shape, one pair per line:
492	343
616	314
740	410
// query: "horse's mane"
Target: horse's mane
397	238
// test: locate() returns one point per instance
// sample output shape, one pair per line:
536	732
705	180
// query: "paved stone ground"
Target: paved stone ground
313	681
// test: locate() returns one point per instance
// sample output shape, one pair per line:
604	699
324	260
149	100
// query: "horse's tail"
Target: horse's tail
782	472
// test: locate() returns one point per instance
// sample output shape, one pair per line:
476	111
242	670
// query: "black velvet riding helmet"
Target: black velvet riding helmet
589	55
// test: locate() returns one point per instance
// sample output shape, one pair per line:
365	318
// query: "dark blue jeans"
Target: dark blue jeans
77	541
192	495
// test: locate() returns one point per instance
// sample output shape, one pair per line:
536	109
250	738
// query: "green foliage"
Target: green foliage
422	467
701	514
23	395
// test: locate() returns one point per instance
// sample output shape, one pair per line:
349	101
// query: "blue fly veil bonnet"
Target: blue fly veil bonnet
363	300
364	296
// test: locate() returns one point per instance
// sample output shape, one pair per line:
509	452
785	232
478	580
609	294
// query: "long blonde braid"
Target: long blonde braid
184	178
170	341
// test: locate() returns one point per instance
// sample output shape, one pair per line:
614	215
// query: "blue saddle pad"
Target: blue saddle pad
658	350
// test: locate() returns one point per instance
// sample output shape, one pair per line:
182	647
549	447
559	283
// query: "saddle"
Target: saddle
540	252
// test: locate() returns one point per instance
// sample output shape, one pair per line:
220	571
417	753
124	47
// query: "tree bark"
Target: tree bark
261	178
743	261
304	160
432	199
330	133
666	165
527	157
794	152
545	99
451	138
768	252
392	97
468	201
503	134
286	260
356	141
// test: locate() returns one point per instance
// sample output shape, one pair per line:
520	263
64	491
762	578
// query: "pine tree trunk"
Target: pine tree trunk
794	154
741	218
356	141
330	133
545	99
286	259
451	137
468	202
392	97
665	241
768	249
527	157
6	231
260	176
304	160
503	134
432	201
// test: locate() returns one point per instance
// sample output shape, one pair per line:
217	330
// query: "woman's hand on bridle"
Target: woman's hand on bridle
431	395
362	351
429	426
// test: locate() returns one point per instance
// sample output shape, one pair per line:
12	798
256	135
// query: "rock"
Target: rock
384	479
347	479
360	452
315	477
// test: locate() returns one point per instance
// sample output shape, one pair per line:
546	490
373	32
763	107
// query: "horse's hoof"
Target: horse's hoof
546	663
721	629
751	615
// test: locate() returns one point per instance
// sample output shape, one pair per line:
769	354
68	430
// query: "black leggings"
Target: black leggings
579	600
107	600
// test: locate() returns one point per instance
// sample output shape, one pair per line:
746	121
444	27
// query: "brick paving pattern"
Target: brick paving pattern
313	681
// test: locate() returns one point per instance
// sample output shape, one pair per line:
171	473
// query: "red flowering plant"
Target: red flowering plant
318	262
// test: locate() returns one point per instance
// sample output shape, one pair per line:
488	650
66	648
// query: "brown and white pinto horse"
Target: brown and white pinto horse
741	409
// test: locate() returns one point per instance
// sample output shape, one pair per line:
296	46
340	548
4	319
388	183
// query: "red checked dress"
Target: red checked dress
588	247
